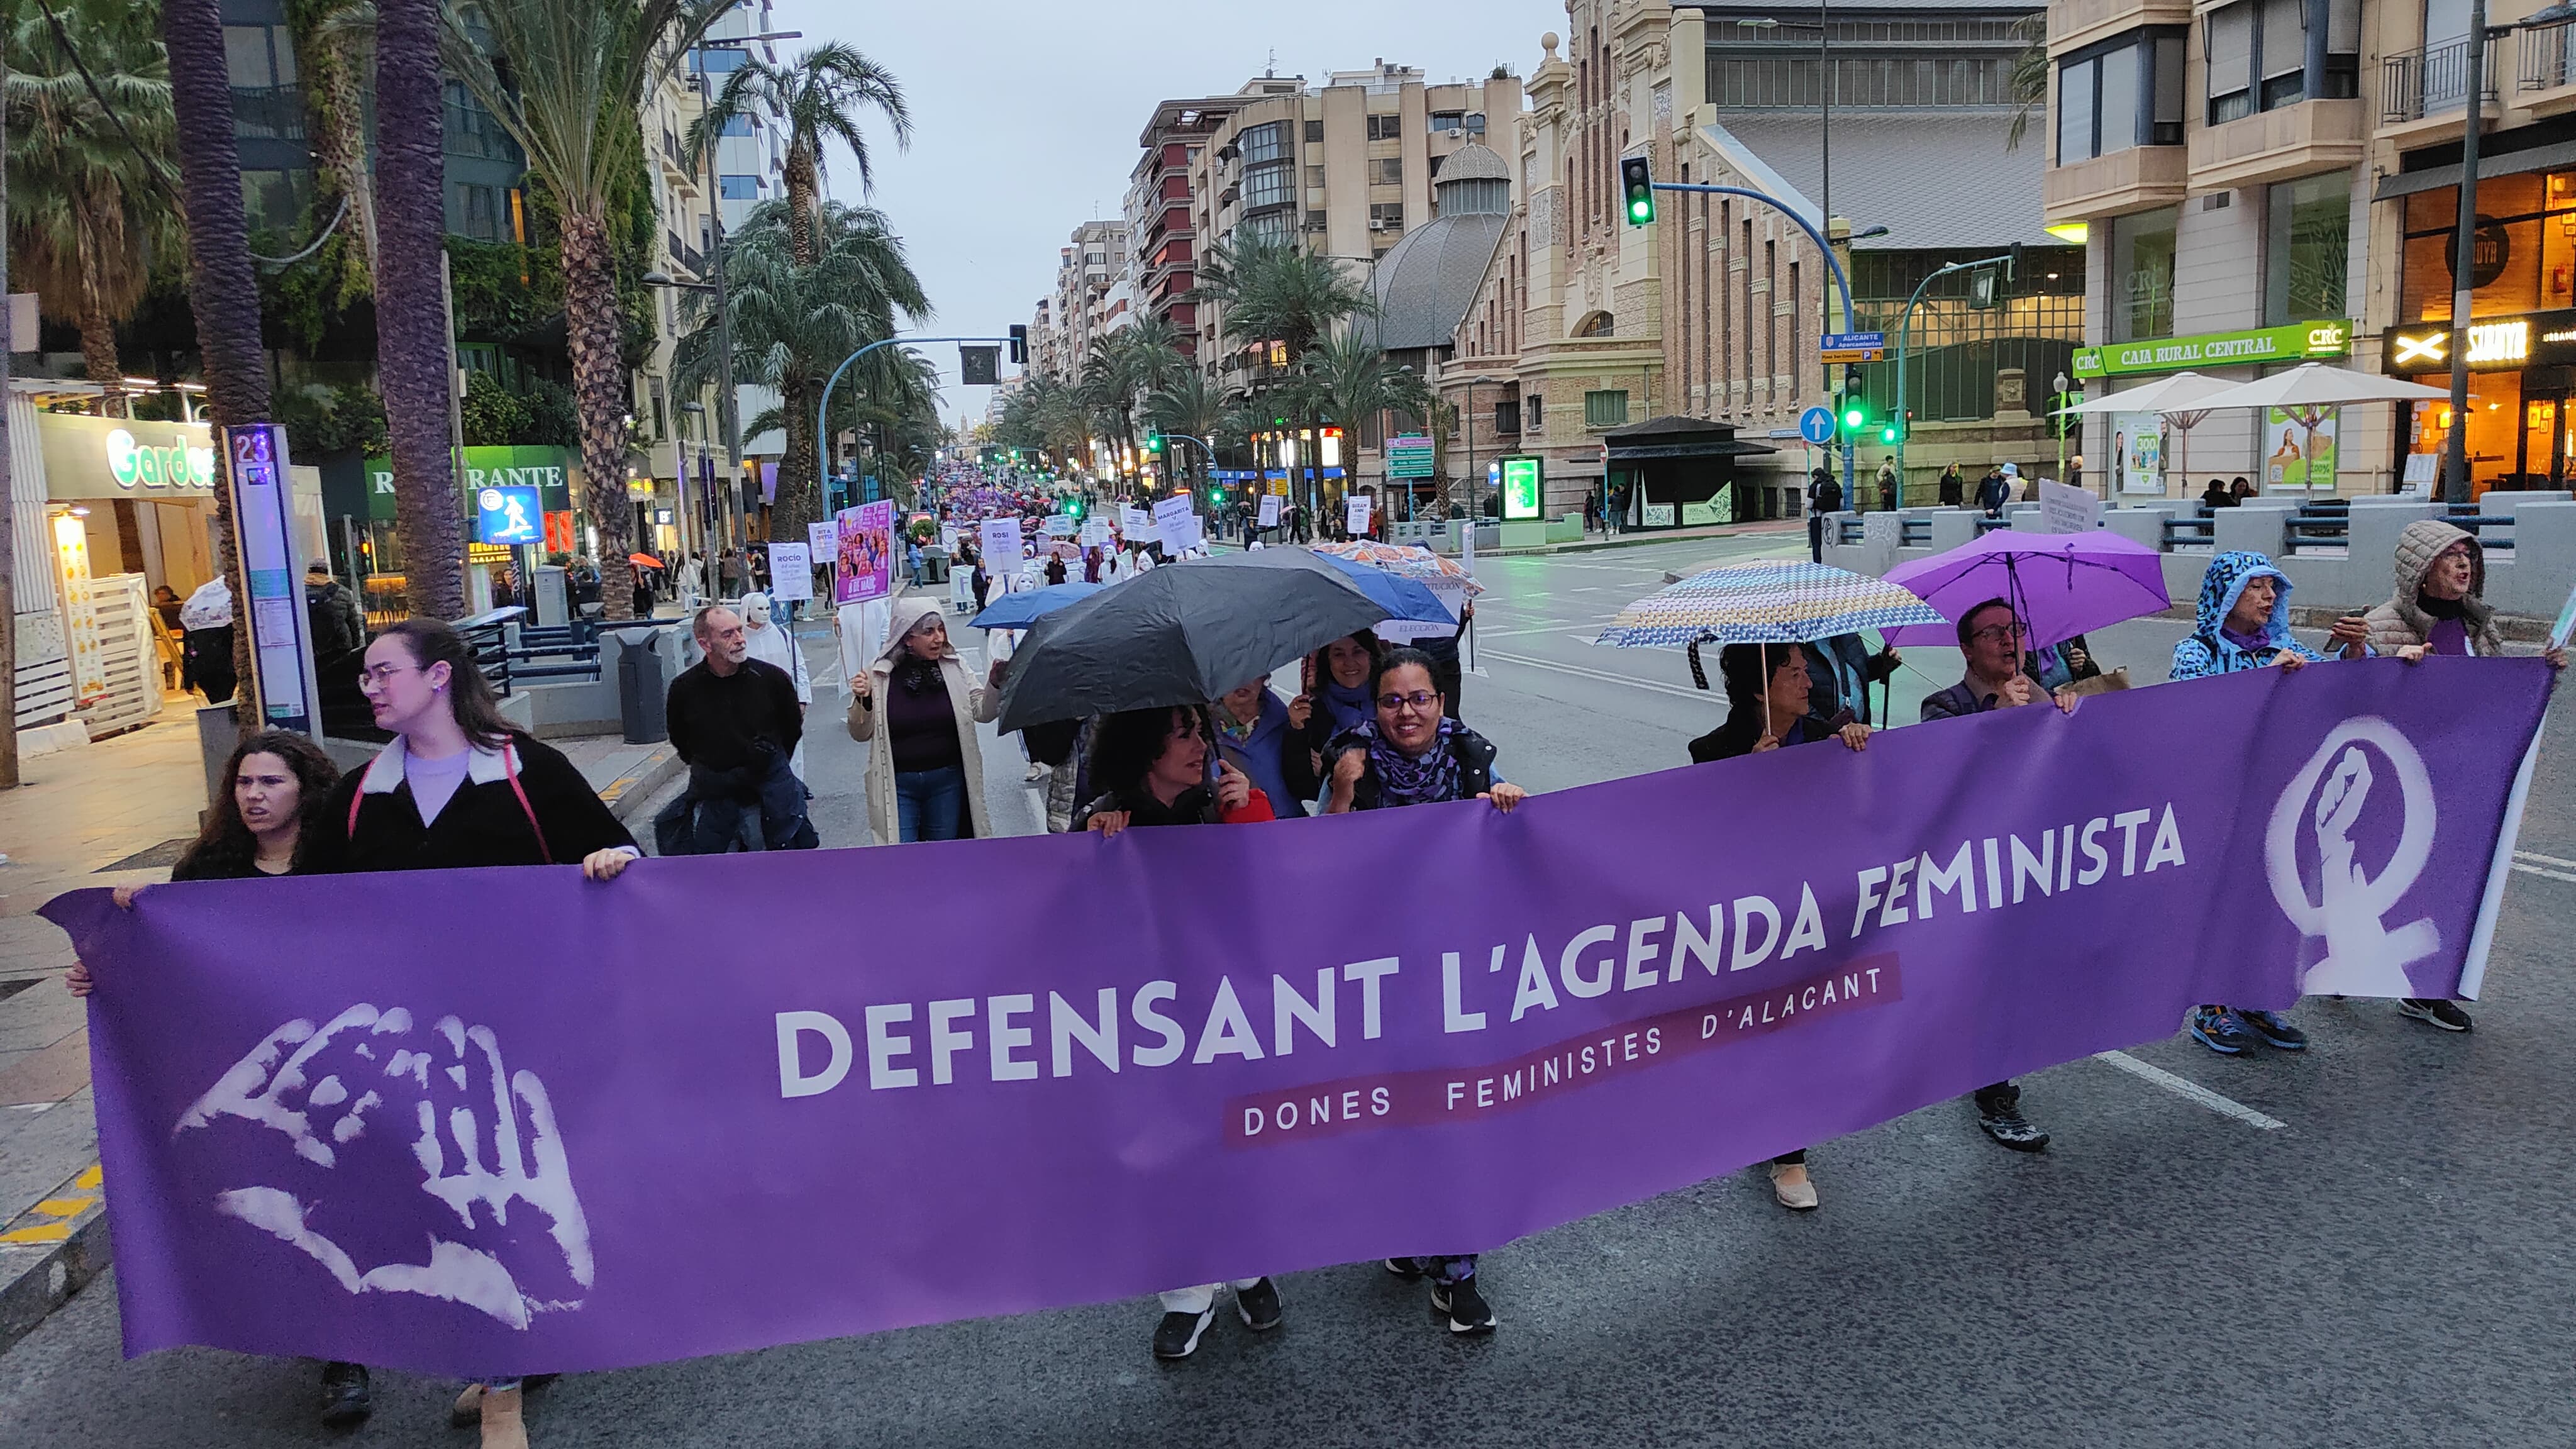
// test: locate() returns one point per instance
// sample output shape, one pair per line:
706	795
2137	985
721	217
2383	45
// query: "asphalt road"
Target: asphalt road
2389	1265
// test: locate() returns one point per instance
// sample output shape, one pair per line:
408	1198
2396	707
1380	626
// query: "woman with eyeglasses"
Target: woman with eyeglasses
1410	753
1767	695
461	786
279	801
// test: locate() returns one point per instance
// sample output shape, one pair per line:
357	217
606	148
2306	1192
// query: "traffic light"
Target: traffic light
1855	414
1216	495
1153	442
1020	344
1637	179
1892	432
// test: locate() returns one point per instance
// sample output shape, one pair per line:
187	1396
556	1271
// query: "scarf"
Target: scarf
2250	643
1349	707
1233	731
1403	779
916	675
2442	608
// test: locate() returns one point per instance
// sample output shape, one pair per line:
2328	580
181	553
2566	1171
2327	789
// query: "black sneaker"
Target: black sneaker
2275	1030
2001	1119
345	1401
1177	1336
1464	1306
1405	1268
2444	1015
1259	1306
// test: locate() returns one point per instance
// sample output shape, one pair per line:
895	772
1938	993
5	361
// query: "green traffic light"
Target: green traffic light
1641	210
1887	434
1854	418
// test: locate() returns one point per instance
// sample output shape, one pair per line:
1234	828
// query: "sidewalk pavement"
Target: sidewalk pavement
117	812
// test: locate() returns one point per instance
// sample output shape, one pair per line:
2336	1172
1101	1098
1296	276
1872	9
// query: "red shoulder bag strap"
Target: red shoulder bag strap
510	768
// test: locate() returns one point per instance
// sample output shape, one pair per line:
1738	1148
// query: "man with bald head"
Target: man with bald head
735	721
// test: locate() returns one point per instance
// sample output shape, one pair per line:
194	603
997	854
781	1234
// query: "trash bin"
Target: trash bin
642	694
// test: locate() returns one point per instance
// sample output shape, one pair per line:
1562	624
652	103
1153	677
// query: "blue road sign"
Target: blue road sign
508	516
1816	425
1853	342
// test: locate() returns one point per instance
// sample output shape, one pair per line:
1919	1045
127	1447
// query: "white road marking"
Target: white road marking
2538	858
2191	1091
1600	674
2539	871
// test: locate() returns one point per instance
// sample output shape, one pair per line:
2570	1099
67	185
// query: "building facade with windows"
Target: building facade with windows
1163	257
1708	322
2217	160
2522	301
1093	295
1343	169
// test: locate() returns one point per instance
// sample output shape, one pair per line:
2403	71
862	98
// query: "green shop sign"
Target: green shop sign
548	470
2297	342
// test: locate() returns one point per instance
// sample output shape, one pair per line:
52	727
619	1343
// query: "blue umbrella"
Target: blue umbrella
1020	610
1401	597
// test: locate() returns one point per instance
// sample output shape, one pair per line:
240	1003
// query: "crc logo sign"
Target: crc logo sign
139	465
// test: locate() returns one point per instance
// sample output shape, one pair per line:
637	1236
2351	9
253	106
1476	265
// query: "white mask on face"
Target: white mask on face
755	611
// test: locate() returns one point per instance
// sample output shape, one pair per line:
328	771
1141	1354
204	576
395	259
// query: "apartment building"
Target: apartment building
1162	262
2213	159
1343	168
1094	295
2522	303
751	156
1661	370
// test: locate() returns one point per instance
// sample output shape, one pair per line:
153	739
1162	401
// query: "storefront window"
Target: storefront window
2142	275
2526	248
2307	248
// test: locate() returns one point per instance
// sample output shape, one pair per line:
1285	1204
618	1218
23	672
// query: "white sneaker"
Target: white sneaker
1037	772
1791	1186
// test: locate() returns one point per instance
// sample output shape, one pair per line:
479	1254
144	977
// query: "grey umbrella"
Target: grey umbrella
1182	634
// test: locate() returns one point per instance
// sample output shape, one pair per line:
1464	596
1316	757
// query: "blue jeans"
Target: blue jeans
929	804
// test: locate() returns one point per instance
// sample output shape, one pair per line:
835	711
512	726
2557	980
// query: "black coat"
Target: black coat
483	824
714	720
1475	766
1743	730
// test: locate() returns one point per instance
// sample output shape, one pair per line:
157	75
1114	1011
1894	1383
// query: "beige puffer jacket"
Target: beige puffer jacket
973	703
2401	623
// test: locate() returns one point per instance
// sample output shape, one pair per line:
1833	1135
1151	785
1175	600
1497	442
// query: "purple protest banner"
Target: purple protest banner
479	1122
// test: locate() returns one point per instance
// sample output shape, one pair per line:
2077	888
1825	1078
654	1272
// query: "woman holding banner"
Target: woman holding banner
280	799
1255	735
927	783
1152	765
2244	623
1767	693
1410	753
1336	700
459	787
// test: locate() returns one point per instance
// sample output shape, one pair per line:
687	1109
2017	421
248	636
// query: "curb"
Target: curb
625	795
50	1252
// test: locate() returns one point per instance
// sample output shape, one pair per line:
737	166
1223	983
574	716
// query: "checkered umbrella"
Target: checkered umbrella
1410	560
1775	601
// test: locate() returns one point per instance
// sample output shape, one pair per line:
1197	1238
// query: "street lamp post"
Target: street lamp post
2456	487
2057	400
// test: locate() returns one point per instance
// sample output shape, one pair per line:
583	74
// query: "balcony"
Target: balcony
2140	178
2076	23
2275	145
268	113
2426	84
2544	71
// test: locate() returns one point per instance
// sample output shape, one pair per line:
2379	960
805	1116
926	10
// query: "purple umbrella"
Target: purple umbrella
2060	584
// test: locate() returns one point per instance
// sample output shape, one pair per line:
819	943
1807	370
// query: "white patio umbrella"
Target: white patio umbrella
2178	397
2310	390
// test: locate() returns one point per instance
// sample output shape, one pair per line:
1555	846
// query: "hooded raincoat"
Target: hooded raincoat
972	703
1272	756
2403	622
2211	649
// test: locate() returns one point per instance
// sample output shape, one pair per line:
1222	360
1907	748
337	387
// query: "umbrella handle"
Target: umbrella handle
1699	672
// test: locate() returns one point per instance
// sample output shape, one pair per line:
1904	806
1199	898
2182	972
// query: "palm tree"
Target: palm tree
1280	292
793	324
2027	87
411	327
818	97
333	42
88	213
223	292
578	72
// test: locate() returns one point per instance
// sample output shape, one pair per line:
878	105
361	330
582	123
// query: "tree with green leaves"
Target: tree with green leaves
793	323
818	98
1280	292
88	215
2027	86
578	71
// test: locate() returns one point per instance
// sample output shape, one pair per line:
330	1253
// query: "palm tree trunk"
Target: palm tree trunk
600	397
97	329
222	291
333	96
803	191
800	470
411	313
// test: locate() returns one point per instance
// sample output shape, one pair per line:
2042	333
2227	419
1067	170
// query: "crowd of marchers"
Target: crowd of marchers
1370	727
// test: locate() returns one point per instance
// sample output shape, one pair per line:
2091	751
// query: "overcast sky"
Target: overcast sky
1026	114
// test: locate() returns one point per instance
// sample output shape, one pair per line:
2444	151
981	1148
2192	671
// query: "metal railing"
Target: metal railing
2545	55
509	654
2494	531
1914	533
2196	531
2326	524
2414	84
268	113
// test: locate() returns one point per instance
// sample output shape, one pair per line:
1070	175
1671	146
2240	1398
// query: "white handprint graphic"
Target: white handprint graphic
373	1110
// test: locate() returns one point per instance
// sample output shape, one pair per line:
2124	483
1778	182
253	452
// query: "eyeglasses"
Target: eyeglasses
381	675
1420	699
1999	633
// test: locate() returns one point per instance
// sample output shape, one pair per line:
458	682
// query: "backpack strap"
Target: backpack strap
510	768
356	798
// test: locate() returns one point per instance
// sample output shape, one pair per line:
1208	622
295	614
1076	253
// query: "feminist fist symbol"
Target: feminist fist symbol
482	1140
2363	956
